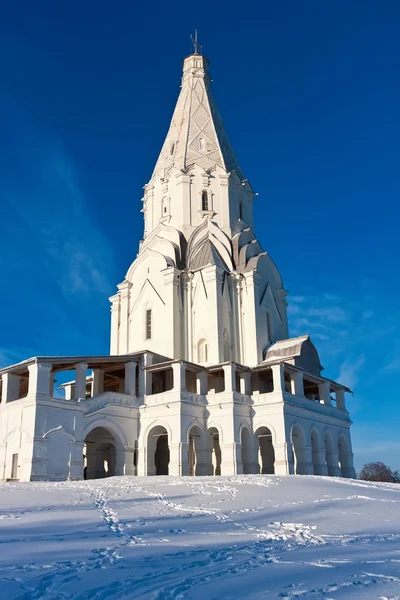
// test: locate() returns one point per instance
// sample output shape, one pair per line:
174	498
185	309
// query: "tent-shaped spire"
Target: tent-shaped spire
196	134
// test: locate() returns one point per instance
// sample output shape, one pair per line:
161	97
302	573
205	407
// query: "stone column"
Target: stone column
296	383
178	459
39	379
332	459
148	376
325	393
304	464
340	399
76	462
10	390
231	459
130	378
39	459
127	455
230	378
283	460
179	376
98	382
245	384
80	380
319	465
202	383
278	376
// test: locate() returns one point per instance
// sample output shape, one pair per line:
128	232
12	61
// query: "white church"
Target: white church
202	377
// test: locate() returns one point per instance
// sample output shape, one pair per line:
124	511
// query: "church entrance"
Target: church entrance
266	453
157	451
99	454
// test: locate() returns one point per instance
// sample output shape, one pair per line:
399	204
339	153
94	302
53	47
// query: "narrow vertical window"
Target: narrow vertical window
204	200
202	145
148	324
240	211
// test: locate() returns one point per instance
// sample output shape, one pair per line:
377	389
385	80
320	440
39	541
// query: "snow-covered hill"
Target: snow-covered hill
203	538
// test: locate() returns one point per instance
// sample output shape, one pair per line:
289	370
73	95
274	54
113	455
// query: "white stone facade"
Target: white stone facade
202	378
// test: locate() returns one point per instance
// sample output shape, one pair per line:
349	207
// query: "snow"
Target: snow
254	537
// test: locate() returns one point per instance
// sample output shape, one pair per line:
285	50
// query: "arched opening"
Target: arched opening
214	457
315	452
266	452
157	451
99	454
343	451
299	450
195	450
246	439
329	455
204	200
202	351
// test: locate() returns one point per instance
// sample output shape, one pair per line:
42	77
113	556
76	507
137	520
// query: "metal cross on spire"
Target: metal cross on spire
196	46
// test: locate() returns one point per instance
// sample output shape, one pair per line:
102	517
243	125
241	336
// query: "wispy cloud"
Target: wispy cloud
349	371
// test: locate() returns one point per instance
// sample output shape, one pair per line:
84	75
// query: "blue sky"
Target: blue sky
309	93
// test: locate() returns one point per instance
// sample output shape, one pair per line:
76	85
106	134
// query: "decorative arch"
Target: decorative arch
108	425
194	423
264	423
59	429
155	423
214	425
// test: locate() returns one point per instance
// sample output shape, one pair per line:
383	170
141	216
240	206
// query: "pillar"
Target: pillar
304	464
319	465
98	382
147	380
245	384
10	390
178	459
130	378
332	459
278	376
296	383
179	376
39	378
230	378
340	399
283	462
76	462
202	383
325	393
80	380
231	459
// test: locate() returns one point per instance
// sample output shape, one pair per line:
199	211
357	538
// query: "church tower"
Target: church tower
201	288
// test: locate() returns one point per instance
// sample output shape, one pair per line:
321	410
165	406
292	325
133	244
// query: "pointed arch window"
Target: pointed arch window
204	200
202	145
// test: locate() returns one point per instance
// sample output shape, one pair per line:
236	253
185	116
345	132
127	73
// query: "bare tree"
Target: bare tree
378	471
